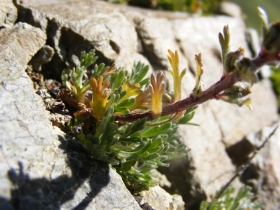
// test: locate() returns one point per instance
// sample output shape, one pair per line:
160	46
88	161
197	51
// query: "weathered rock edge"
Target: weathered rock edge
39	169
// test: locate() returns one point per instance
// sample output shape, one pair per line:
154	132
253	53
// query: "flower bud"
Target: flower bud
247	70
271	41
231	59
236	94
238	91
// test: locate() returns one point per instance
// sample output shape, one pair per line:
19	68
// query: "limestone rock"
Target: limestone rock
18	112
118	33
109	32
207	42
230	9
8	13
263	174
157	37
39	168
44	56
207	166
157	198
236	122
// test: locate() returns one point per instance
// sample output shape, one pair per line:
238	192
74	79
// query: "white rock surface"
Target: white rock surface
115	31
38	170
8	13
157	198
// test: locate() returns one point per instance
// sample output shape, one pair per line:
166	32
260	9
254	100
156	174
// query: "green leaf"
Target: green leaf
229	201
155	130
139	71
99	70
127	102
134	128
126	166
88	58
108	137
121	92
152	158
145	168
156	144
188	116
122	110
141	148
64	76
134	140
203	205
101	126
132	153
118	78
215	205
144	155
160	162
145	82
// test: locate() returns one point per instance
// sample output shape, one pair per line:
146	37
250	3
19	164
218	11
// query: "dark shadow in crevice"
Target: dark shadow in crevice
239	152
179	173
147	50
25	15
29	194
42	193
67	44
70	46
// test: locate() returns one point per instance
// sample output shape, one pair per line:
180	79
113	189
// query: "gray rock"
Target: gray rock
207	43
254	43
220	124
263	174
110	33
8	13
157	198
44	56
236	122
157	37
75	26
230	8
19	108
207	166
39	168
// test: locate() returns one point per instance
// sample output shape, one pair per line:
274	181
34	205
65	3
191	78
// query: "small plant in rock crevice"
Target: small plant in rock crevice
131	121
244	199
132	148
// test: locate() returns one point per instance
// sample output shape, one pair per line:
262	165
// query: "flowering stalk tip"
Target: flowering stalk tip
199	71
100	94
177	76
157	88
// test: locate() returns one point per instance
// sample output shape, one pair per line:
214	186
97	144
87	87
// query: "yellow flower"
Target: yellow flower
157	88
177	76
131	90
100	94
142	101
248	103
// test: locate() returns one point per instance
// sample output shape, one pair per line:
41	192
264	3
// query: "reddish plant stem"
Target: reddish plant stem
264	57
211	93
